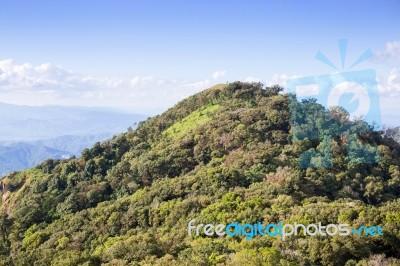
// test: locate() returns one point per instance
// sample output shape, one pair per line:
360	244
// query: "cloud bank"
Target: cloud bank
52	84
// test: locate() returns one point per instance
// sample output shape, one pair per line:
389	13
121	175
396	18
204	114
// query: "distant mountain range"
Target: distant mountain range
24	123
23	155
31	134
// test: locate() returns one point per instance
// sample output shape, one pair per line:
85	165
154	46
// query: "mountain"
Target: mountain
27	123
232	153
31	134
73	144
20	156
16	156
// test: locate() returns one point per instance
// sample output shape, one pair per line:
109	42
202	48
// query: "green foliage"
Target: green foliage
195	119
230	153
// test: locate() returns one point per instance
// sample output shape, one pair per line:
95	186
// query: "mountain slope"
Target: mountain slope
226	154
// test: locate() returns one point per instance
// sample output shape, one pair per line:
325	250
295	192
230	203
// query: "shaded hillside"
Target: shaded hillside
20	156
226	154
16	156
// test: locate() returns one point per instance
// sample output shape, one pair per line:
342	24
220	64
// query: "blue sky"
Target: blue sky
146	55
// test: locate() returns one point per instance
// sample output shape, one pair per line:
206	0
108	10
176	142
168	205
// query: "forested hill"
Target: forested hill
226	154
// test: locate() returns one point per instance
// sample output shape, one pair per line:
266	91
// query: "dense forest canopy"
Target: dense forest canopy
235	152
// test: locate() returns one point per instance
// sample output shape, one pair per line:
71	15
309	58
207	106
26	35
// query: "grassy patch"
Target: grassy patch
191	121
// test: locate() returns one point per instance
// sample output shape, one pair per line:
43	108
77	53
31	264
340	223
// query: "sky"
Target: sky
145	56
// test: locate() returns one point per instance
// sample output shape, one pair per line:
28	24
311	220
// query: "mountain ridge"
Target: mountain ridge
21	155
28	123
50	126
61	147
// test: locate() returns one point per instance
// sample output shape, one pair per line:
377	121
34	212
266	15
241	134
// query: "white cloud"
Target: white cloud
307	90
251	79
52	84
391	53
142	81
198	85
280	79
219	74
15	77
390	86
